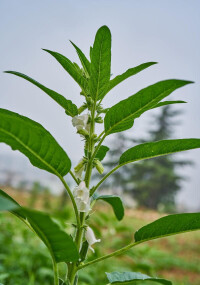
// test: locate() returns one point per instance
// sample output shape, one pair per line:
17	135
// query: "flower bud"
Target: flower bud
79	165
94	136
99	109
82	108
90	101
83	132
99	166
79	168
90	237
99	120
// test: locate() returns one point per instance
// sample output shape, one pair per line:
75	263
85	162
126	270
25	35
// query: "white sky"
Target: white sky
162	31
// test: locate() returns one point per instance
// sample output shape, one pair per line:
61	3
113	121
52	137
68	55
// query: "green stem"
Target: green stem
97	148
90	148
103	179
79	233
78	239
118	252
74	177
55	271
72	199
101	134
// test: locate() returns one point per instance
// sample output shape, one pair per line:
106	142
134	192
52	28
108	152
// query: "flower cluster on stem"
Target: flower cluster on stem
82	197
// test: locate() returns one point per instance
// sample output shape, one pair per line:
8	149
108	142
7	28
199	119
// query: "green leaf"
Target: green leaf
133	277
169	225
69	107
14	207
164	103
59	243
130	72
7	204
84	61
100	64
70	68
101	153
34	141
115	202
121	116
91	48
159	148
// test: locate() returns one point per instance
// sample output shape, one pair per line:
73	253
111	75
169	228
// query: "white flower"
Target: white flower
82	205
81	192
82	197
80	122
90	237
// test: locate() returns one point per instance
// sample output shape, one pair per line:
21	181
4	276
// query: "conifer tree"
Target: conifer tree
151	182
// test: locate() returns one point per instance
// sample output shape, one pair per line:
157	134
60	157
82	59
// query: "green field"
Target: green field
24	260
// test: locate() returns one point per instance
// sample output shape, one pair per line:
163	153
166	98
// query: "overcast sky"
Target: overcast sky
162	31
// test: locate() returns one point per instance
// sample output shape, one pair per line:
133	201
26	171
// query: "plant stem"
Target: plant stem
98	146
55	271
78	240
72	199
101	134
74	177
104	178
118	252
79	233
90	148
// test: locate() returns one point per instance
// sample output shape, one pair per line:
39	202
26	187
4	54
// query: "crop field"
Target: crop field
24	260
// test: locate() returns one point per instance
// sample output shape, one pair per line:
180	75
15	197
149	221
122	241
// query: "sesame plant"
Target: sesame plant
43	151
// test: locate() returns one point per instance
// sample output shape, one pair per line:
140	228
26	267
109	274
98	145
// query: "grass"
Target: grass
24	260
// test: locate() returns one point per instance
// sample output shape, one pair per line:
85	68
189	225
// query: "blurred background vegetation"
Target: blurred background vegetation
150	189
24	259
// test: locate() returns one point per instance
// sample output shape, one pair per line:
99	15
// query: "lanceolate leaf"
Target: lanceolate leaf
121	116
71	69
101	153
84	61
59	243
130	72
7	204
91	48
100	64
164	103
34	141
77	67
115	202
14	208
159	148
169	225
132	278
69	107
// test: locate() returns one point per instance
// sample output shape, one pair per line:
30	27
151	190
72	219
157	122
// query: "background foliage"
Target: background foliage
25	260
